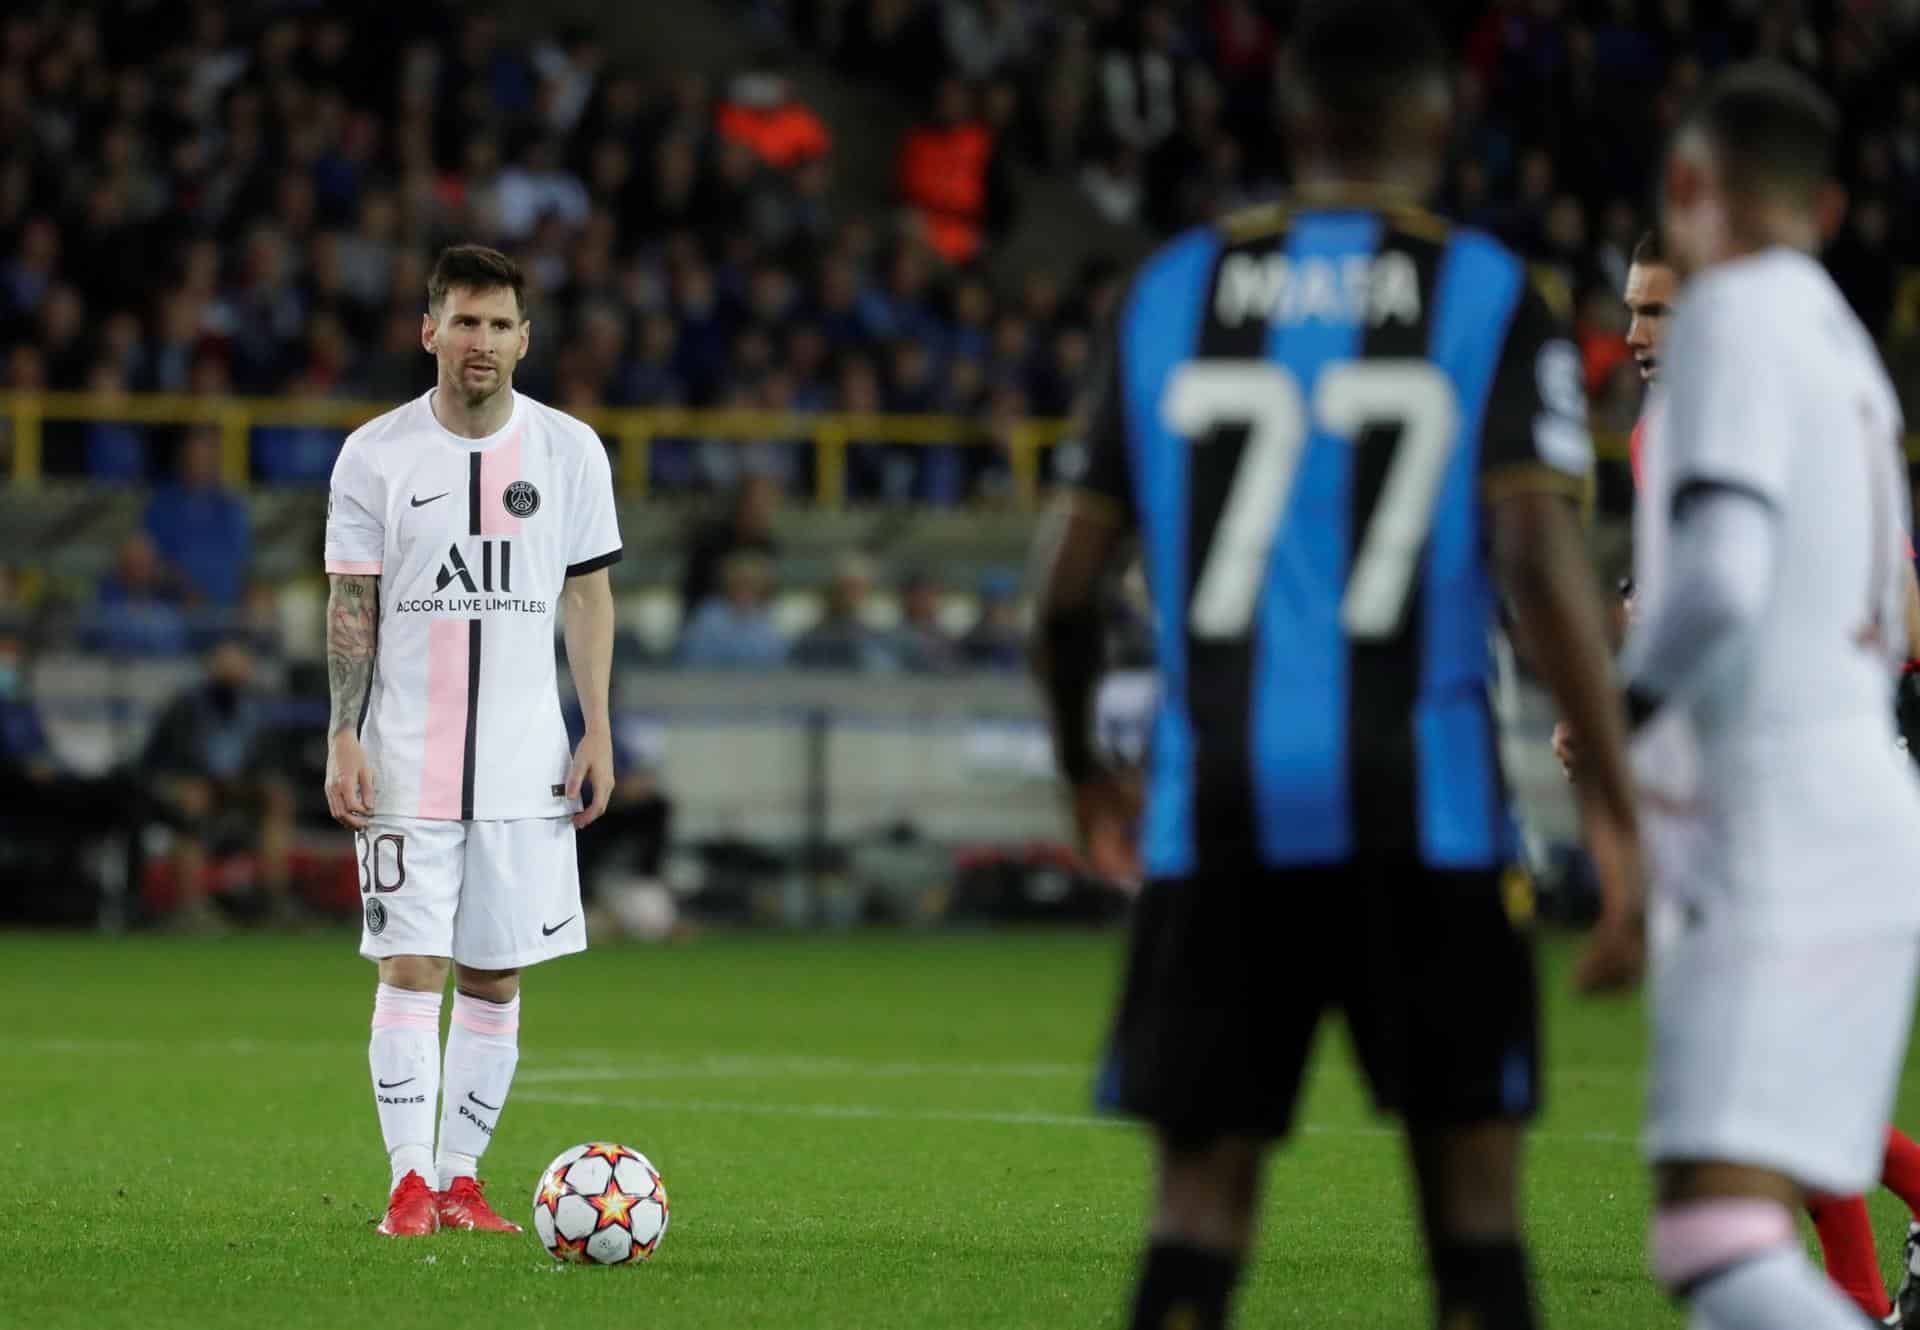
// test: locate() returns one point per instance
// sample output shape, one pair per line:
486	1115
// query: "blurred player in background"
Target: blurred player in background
1317	421
1760	672
1844	1226
458	524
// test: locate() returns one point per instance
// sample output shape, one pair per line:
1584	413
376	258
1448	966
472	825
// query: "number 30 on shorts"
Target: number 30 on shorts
383	861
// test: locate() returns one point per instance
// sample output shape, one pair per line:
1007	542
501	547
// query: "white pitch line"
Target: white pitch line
982	1117
723	1068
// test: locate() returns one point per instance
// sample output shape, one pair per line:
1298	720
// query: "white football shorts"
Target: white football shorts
492	895
1777	1051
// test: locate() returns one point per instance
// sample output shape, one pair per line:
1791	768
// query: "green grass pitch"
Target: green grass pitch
867	1132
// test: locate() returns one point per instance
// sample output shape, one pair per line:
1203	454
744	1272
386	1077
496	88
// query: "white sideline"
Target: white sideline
722	1067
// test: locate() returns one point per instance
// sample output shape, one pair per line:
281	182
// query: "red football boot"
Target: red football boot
463	1205
411	1212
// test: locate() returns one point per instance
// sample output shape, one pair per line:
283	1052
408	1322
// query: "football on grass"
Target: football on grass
600	1204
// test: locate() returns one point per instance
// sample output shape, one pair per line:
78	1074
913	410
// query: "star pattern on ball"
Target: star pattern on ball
550	1192
613	1154
615	1207
570	1249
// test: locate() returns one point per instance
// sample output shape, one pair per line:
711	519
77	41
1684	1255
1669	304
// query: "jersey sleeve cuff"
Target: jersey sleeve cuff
354	567
596	563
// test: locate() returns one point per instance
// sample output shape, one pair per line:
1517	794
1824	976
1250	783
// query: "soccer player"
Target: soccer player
1324	423
1842	1222
457	526
1760	674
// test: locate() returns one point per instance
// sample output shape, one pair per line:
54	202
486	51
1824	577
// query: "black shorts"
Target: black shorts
1229	973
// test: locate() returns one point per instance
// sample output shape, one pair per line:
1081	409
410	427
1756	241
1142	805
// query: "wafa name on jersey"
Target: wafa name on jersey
1375	289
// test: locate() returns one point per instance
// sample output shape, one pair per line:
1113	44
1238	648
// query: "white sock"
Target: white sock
483	1047
1776	1290
404	1056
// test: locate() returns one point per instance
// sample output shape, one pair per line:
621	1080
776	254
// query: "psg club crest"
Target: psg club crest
521	499
376	917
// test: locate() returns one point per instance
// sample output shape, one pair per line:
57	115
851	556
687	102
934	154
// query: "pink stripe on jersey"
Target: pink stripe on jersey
499	468
445	749
350	568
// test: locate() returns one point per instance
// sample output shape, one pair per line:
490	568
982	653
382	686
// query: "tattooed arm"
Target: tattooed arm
353	626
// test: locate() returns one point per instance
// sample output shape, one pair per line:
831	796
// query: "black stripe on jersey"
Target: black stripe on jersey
596	563
1220	674
473	494
473	719
1383	678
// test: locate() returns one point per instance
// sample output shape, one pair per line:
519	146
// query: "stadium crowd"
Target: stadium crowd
210	199
241	204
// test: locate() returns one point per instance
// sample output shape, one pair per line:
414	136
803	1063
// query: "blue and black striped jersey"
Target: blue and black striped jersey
1304	414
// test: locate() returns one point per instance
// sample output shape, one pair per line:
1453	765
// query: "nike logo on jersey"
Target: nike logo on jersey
546	931
491	1108
419	502
392	1085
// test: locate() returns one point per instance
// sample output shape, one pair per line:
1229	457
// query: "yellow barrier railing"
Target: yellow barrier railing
634	430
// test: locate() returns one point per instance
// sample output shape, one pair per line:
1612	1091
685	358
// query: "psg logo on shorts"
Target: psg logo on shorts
376	917
521	499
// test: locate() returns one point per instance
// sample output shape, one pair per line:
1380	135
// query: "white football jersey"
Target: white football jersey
473	540
1771	386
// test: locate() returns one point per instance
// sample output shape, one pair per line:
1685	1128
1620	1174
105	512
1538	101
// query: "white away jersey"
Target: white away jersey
1771	386
473	540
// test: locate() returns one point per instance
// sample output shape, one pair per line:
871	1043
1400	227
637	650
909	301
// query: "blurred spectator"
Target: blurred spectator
537	187
927	647
1139	80
987	37
747	527
211	777
734	630
26	758
952	176
628	845
998	639
137	611
263	315
115	451
200	529
760	112
843	639
39	797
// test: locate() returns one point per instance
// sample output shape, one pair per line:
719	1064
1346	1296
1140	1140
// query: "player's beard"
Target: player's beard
475	398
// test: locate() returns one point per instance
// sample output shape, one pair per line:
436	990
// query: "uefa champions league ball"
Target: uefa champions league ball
600	1204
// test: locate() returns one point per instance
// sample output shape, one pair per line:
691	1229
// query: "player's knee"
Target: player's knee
1470	1180
1695	1240
1209	1191
418	974
487	985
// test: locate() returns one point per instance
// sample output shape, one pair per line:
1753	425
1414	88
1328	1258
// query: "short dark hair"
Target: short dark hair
1772	129
1648	249
1356	59
477	268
